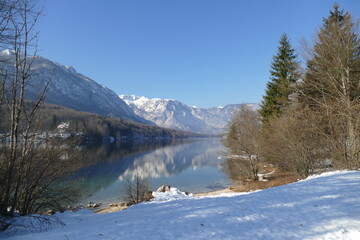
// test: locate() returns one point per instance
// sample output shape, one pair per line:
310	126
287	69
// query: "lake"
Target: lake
192	165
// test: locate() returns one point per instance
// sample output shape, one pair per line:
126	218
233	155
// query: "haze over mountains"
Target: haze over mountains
174	114
74	90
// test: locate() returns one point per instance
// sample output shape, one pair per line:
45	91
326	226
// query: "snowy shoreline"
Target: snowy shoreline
119	206
325	206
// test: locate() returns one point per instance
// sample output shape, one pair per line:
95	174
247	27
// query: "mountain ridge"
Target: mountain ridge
171	113
71	89
74	90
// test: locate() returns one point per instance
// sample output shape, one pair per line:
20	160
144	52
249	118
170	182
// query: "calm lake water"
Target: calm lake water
190	165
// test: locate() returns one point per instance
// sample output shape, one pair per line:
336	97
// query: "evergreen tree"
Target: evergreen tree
283	75
331	87
333	69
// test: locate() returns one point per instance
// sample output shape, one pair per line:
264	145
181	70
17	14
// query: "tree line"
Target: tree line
93	127
309	119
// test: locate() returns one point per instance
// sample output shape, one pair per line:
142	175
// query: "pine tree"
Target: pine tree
331	87
333	69
283	75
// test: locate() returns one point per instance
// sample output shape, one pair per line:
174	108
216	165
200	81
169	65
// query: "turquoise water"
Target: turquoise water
190	165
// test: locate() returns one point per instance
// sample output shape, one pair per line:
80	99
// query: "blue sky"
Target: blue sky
200	52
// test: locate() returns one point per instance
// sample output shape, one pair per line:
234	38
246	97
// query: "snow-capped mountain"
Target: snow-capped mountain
71	89
174	114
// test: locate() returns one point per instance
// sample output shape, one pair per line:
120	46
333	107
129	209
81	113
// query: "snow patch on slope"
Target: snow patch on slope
7	52
173	194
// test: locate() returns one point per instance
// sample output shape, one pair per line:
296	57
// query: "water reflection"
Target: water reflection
191	165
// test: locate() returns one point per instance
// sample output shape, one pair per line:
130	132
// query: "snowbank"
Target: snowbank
173	194
321	207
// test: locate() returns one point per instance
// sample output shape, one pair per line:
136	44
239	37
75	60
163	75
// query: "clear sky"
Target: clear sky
200	52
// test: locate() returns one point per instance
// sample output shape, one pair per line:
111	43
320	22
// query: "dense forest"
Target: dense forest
100	128
93	127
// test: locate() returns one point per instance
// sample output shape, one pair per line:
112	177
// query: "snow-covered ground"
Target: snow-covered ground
320	207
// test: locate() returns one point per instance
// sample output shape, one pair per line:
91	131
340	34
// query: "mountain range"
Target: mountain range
73	90
174	114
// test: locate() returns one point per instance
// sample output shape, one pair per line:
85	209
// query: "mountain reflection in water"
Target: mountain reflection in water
191	165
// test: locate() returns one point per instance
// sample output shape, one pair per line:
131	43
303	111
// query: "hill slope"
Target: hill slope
71	89
321	207
99	128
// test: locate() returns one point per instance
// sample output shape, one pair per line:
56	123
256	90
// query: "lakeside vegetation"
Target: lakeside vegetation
309	119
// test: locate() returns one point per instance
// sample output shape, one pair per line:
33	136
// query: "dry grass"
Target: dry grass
111	209
275	179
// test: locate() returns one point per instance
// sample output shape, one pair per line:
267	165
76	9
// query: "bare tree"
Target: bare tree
34	165
294	142
21	22
242	139
136	190
6	12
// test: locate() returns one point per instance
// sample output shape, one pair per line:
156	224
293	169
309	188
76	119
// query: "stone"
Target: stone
95	205
50	212
164	188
